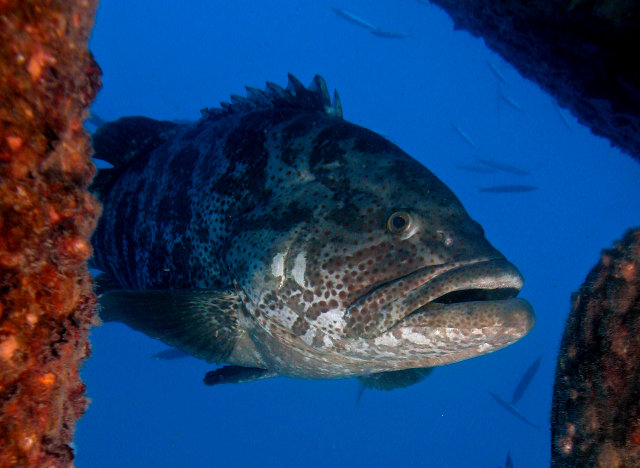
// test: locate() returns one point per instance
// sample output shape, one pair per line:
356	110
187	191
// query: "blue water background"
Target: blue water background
168	60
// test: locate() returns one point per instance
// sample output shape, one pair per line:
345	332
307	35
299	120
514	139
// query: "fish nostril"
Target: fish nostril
445	238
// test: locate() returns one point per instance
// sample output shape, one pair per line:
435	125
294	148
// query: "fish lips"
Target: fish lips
478	299
472	328
479	293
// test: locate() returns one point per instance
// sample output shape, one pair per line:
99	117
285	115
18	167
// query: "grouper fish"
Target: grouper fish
277	238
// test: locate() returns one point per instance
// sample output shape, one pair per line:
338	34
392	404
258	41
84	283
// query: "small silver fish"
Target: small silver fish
378	31
564	118
477	169
464	136
508	188
526	379
512	409
353	18
504	167
522	386
511	102
496	72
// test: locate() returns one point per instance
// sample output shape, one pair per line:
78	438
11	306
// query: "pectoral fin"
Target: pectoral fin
170	354
236	374
394	379
202	323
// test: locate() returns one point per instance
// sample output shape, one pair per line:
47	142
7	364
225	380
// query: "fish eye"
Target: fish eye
399	222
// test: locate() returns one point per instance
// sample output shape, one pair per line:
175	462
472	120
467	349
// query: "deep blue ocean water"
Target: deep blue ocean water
168	60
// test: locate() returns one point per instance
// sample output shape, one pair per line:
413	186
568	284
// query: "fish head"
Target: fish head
367	253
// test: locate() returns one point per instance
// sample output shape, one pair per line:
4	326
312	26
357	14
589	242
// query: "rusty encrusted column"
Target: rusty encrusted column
596	399
48	78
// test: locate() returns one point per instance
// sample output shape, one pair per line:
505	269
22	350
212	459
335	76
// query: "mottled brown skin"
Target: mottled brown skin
332	245
595	420
48	78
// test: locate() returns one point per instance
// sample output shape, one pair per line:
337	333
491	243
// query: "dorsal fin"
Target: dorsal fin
315	97
127	138
122	140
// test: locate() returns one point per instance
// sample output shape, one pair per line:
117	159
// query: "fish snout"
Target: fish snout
479	301
479	295
518	318
480	281
471	286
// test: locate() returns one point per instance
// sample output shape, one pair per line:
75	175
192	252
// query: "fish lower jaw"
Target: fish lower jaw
472	292
420	347
513	316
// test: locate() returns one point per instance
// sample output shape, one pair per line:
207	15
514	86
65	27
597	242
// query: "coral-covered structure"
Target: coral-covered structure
583	52
596	399
47	80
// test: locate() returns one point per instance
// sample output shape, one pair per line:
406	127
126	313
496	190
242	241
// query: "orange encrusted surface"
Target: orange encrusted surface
48	78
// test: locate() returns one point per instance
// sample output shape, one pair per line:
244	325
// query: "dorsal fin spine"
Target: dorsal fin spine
315	97
337	105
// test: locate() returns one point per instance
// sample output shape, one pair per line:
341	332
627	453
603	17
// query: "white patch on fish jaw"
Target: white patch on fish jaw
277	268
331	322
386	340
309	336
299	268
328	342
416	338
360	348
283	316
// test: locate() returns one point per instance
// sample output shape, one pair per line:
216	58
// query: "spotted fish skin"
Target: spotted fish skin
326	250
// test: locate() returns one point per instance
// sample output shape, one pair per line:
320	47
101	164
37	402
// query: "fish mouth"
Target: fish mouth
479	293
476	294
